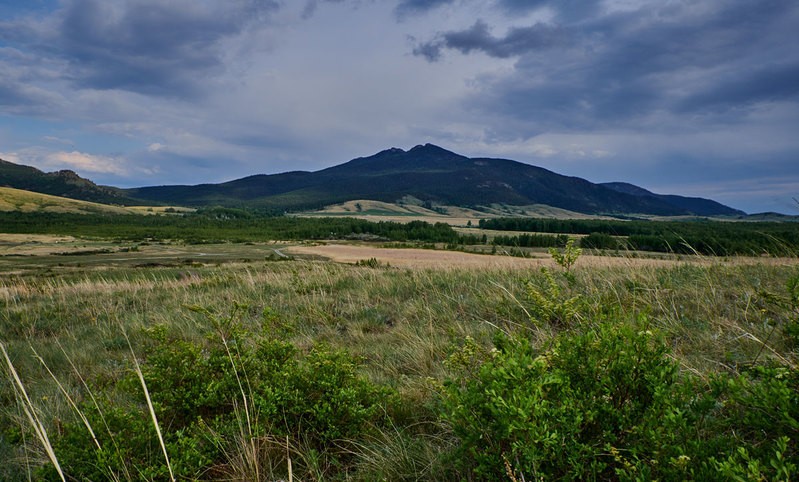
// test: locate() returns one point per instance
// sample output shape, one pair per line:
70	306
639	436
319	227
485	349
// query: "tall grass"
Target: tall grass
31	413
68	331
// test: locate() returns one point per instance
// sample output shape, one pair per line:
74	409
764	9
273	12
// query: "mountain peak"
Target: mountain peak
431	149
427	150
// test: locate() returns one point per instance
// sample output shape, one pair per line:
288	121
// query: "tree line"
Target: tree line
220	225
713	238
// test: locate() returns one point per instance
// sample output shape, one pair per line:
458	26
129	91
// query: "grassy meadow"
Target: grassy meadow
238	361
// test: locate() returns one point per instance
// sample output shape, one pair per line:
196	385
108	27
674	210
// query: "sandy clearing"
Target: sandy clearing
34	238
427	258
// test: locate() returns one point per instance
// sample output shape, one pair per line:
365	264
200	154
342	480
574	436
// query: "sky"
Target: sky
690	97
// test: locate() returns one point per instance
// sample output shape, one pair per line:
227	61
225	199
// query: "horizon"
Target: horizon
698	100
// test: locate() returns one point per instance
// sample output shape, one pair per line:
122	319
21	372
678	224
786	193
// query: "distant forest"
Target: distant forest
213	225
714	238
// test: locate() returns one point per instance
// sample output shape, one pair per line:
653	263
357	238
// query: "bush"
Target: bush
211	398
757	418
549	302
559	413
611	404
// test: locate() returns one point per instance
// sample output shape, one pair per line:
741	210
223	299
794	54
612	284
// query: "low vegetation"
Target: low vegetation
215	225
220	225
265	370
309	370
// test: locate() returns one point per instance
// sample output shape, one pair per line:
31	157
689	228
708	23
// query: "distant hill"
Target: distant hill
61	183
695	205
27	201
436	176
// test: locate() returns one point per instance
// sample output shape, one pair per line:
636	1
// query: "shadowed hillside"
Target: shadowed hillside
433	175
61	183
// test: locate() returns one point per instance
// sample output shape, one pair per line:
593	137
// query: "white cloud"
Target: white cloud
80	162
84	162
11	157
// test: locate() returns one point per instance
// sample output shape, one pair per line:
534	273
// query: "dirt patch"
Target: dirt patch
34	238
34	244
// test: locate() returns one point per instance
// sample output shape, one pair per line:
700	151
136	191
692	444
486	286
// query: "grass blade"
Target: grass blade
152	409
30	412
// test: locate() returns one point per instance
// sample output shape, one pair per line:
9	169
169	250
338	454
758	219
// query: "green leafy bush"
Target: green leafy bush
611	404
566	258
550	302
559	412
210	397
757	419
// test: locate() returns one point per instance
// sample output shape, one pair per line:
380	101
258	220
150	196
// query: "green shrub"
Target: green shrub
210	397
757	417
561	412
611	404
550	302
566	258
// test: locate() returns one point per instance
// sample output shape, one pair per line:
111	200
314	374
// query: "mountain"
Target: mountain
695	205
431	174
426	172
61	183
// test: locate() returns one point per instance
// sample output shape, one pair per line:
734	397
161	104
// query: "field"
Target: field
377	211
21	254
428	258
333	360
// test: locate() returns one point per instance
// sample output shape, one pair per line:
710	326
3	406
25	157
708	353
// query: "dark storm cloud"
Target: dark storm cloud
772	83
144	46
623	68
478	38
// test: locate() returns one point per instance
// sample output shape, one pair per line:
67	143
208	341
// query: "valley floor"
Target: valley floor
717	337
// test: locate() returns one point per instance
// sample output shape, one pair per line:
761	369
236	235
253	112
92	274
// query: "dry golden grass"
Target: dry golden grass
160	209
381	211
26	201
435	259
7	238
453	215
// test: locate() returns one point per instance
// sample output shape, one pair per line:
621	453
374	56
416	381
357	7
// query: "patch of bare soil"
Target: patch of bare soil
34	238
